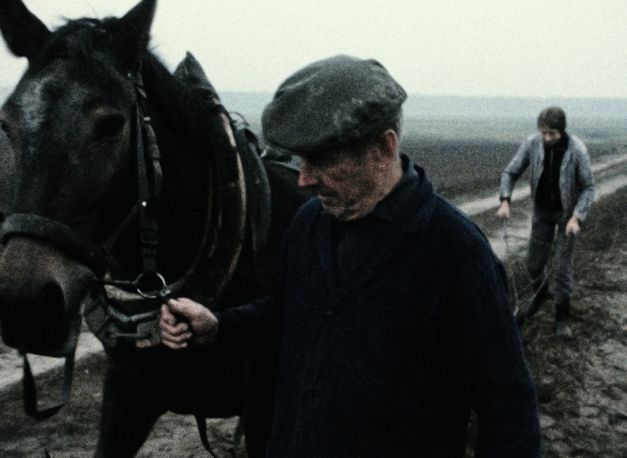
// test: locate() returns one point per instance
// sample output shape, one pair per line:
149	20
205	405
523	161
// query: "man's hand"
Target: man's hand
572	227
184	321
504	210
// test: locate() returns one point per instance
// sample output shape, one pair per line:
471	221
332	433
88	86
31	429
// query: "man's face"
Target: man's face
550	136
349	185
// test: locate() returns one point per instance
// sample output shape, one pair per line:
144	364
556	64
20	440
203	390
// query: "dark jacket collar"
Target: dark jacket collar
410	204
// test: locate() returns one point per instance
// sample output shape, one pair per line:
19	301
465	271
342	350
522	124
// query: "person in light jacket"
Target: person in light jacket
562	190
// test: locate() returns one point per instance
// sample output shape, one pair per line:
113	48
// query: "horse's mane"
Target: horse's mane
186	109
77	40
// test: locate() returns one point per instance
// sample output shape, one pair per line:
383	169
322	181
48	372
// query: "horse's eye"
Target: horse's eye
109	125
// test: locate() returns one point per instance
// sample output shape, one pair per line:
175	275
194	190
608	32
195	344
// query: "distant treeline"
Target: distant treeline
251	104
419	106
495	118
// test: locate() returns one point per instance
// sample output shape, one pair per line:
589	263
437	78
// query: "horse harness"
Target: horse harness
131	309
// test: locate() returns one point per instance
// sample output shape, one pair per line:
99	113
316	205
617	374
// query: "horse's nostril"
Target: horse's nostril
35	321
51	299
44	305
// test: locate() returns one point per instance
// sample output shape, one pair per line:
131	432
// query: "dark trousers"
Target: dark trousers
543	236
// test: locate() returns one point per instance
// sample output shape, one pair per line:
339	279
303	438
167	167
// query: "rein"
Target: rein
522	297
508	254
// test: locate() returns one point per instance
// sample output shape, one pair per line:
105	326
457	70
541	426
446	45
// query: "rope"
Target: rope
505	235
527	294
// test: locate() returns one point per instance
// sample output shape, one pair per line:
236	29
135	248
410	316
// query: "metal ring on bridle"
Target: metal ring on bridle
164	291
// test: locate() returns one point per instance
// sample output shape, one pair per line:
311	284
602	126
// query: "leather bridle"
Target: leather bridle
128	310
96	257
149	283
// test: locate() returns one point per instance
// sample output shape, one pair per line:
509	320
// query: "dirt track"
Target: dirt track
582	383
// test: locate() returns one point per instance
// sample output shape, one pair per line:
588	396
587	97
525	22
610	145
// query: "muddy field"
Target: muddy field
582	382
463	156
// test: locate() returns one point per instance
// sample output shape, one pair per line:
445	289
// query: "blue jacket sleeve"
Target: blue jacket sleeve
249	328
255	327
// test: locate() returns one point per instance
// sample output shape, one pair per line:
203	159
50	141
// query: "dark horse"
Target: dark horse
122	171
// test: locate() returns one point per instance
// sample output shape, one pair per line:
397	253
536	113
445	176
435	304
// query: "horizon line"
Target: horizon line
472	96
434	96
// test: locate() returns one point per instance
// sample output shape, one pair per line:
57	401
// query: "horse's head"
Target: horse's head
70	125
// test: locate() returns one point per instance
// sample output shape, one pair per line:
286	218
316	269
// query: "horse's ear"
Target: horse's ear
131	33
191	73
23	32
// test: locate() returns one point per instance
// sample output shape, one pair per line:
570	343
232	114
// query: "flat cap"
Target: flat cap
332	103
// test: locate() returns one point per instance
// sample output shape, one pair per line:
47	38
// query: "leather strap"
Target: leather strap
30	389
201	423
59	234
146	191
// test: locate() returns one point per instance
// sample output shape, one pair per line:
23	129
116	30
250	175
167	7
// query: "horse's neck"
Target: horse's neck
168	99
184	162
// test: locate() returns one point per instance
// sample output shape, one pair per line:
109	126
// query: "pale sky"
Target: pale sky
523	48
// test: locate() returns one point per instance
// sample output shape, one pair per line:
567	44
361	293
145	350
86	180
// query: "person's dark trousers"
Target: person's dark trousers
542	237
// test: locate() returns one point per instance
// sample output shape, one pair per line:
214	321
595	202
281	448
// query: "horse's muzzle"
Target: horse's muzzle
41	291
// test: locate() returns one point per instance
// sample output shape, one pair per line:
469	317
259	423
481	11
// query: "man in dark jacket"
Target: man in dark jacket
391	307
